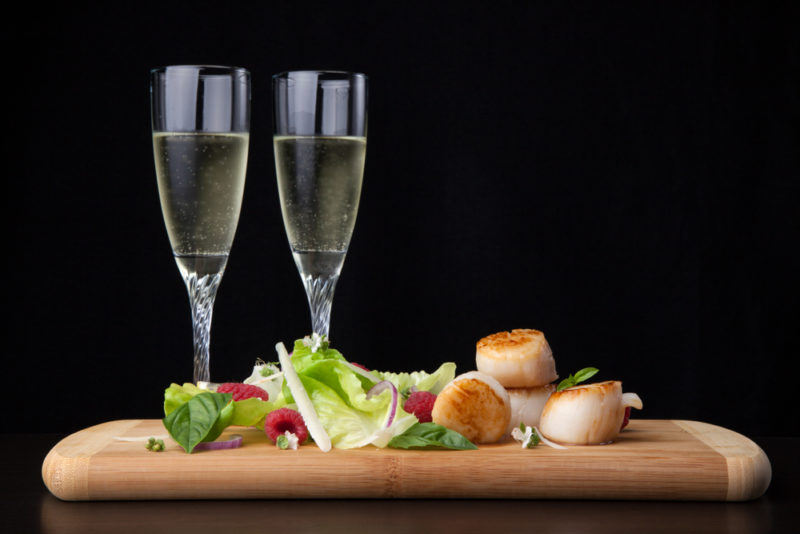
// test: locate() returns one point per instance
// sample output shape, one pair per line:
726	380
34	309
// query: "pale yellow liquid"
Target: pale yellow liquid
201	181
319	182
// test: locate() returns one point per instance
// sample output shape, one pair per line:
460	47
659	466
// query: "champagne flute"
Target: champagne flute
201	124
320	145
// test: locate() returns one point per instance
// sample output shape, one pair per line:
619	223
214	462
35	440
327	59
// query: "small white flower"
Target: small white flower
314	341
524	437
531	437
287	441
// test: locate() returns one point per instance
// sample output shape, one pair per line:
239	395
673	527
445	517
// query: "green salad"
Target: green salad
344	405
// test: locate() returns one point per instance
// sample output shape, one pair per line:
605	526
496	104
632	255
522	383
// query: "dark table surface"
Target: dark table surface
26	506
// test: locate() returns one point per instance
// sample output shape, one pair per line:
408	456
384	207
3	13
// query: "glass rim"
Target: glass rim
221	68
341	73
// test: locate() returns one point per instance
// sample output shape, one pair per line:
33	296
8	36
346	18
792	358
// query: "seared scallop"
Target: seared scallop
587	414
475	405
527	405
521	358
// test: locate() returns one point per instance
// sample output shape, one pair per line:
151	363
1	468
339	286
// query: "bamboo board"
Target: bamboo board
652	460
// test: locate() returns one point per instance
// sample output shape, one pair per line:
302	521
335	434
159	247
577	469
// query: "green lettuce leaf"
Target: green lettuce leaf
339	396
254	411
176	395
433	382
355	421
302	356
248	412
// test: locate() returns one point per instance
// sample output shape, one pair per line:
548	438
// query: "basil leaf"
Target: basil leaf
201	418
582	375
566	383
223	421
585	374
430	436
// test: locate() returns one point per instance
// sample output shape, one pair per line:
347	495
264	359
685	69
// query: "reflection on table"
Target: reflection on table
458	516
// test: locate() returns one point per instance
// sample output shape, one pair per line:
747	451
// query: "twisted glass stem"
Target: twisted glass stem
319	270
202	292
202	275
319	290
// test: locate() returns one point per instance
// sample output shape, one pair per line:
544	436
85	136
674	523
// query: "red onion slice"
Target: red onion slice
234	442
379	388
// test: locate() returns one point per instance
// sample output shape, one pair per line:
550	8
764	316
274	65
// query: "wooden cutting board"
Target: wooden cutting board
652	459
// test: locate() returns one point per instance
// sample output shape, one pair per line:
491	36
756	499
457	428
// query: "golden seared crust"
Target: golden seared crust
472	408
584	389
497	345
521	358
579	391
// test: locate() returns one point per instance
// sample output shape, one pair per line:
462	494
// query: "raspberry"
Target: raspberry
627	417
279	421
420	403
242	391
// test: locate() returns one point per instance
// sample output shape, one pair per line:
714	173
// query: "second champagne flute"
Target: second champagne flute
320	141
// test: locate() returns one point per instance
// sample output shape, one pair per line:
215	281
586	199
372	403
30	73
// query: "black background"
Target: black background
621	176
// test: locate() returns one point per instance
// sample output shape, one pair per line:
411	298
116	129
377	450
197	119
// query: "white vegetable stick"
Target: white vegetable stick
547	441
140	438
304	405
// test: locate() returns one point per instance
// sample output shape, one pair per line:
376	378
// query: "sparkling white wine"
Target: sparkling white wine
201	182
314	264
319	182
199	265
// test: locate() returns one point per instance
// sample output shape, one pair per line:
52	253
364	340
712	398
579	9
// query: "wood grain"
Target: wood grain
749	470
653	459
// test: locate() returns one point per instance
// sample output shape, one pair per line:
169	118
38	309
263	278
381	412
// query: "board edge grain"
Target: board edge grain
749	468
65	470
